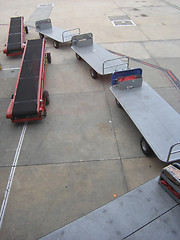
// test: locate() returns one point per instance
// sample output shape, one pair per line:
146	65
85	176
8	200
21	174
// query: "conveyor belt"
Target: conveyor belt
27	90
15	35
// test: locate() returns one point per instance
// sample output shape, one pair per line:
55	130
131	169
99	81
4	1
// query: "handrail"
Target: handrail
69	30
120	58
170	150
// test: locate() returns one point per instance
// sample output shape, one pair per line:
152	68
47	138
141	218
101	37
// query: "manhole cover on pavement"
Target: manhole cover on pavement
121	21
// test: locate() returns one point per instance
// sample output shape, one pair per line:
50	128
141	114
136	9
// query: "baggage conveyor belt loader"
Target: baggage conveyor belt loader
29	100
15	39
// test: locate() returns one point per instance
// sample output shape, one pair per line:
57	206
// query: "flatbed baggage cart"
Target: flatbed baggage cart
156	120
16	37
45	28
41	12
99	59
29	100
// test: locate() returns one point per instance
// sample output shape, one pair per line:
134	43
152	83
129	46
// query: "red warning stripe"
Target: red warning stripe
148	64
169	72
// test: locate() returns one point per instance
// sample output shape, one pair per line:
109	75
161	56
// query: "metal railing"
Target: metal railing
70	33
171	150
124	61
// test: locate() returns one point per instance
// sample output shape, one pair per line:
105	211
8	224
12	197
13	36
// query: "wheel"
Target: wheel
46	97
93	73
12	96
78	57
56	44
145	147
44	114
26	29
41	35
118	104
48	57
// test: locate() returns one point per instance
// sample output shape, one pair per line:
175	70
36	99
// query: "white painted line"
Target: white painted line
10	69
11	176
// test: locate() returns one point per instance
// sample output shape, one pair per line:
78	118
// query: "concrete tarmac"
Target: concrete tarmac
86	149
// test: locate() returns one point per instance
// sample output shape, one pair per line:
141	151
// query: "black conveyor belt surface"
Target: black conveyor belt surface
27	90
14	39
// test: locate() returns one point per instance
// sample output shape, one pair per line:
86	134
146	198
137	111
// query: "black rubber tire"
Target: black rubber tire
12	96
146	148
78	57
46	96
44	114
41	35
56	44
26	30
117	103
93	73
49	57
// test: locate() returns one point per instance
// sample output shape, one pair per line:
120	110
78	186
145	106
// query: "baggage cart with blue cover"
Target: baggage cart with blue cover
156	120
99	59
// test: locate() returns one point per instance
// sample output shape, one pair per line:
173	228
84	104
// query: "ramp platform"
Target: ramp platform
147	212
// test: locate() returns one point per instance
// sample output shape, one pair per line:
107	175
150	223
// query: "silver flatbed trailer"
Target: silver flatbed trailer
42	11
99	59
45	28
157	121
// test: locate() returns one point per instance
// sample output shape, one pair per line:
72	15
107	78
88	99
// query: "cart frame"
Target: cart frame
45	28
156	120
99	59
